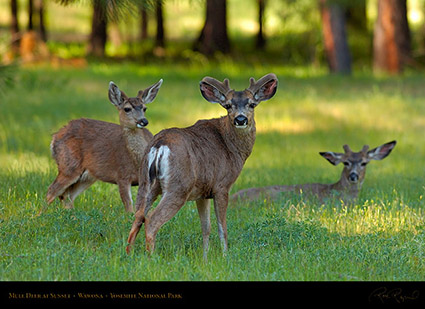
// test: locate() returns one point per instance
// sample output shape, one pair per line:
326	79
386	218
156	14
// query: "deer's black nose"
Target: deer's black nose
142	123
353	177
241	120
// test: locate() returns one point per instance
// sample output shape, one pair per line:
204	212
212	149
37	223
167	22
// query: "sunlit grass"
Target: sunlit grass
22	163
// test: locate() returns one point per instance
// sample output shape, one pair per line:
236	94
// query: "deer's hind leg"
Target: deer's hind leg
84	182
60	185
169	205
146	195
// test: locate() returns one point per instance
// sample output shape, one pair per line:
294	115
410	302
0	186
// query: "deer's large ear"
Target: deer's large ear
265	88
116	96
333	157
211	93
381	152
149	94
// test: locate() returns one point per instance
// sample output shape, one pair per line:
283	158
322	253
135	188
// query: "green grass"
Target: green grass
381	237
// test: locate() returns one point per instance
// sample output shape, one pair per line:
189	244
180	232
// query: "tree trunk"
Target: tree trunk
261	40
335	37
37	6
160	36
391	41
41	24
143	21
98	36
213	36
30	15
14	26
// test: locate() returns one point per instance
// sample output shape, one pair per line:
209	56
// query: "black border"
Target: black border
210	293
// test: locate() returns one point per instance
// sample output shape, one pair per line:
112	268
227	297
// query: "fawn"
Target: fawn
348	186
88	150
200	162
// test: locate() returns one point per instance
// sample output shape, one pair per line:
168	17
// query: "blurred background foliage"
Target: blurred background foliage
342	35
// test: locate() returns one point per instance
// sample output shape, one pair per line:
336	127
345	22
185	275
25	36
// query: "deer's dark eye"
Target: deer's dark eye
227	106
363	163
127	109
252	105
346	163
144	109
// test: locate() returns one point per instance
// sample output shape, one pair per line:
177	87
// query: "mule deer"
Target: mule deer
348	186
88	150
200	162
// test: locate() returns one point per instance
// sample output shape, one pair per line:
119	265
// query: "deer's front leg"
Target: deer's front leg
125	193
220	208
204	215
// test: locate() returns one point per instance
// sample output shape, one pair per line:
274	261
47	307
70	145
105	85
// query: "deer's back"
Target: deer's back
96	146
273	192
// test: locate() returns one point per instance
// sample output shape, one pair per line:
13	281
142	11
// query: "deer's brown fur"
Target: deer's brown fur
200	162
88	150
347	188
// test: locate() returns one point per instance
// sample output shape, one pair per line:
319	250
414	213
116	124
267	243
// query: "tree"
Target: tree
98	36
143	20
14	26
391	40
41	24
335	37
160	35
30	15
261	40
33	8
213	36
102	11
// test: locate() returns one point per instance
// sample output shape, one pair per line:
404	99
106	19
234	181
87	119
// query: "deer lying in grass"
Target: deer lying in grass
348	186
200	162
88	150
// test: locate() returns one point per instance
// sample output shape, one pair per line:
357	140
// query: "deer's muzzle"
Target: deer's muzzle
353	177
241	121
142	123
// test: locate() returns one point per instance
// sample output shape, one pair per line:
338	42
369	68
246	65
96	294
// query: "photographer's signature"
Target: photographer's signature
384	295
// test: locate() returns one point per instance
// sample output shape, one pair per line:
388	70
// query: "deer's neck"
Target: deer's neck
135	143
240	141
346	188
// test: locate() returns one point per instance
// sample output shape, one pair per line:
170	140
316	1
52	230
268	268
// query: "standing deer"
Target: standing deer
88	150
200	162
348	186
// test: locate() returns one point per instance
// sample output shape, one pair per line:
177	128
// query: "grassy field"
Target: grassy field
381	237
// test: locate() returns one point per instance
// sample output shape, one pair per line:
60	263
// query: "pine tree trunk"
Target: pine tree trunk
41	23
37	7
335	38
213	36
391	41
98	36
143	21
30	15
261	40
14	26
160	36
